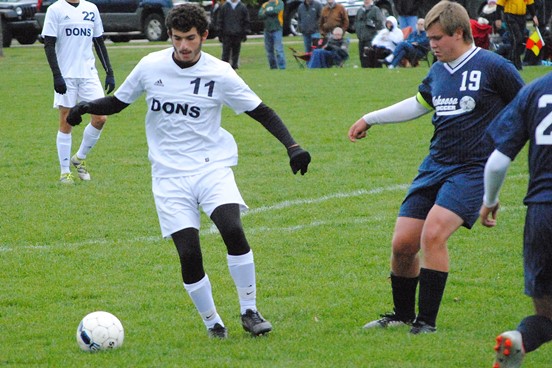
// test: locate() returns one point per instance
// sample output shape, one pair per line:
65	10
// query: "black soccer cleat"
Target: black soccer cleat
420	327
255	324
388	320
218	332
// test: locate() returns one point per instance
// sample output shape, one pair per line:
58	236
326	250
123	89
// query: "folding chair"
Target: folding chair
302	58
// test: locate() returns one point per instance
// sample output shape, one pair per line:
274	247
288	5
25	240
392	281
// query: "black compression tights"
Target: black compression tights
227	220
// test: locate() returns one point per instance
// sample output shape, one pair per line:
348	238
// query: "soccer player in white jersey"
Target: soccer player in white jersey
465	89
192	155
70	29
526	119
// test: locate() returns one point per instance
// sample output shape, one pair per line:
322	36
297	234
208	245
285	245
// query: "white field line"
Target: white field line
213	230
278	206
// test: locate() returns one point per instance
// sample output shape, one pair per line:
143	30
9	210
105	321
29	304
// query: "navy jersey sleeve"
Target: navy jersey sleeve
508	130
507	79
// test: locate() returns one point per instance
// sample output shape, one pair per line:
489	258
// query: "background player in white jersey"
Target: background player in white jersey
526	118
465	88
70	29
192	155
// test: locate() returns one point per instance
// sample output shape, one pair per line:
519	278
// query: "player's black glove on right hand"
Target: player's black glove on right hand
109	83
74	117
220	38
299	159
59	84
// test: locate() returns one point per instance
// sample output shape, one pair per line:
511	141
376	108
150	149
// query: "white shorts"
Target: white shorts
79	89
178	199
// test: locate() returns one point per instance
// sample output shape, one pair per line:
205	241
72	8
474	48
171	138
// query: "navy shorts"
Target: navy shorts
458	188
537	250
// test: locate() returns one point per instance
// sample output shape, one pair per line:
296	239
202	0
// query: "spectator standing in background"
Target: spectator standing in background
513	13
407	11
368	21
272	12
308	15
233	26
333	15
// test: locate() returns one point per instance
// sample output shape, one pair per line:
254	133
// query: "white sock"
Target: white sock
63	143
90	136
242	269
390	58
202	297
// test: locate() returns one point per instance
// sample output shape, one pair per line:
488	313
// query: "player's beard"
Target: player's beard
189	59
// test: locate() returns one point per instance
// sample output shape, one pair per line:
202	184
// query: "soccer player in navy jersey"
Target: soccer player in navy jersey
527	118
192	156
465	89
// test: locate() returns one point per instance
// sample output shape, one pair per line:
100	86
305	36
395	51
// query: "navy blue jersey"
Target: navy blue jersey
466	98
529	118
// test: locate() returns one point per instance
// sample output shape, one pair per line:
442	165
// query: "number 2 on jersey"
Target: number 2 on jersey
543	133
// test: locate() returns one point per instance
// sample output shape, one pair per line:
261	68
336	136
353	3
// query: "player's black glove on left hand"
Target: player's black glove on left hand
75	114
109	83
59	84
299	159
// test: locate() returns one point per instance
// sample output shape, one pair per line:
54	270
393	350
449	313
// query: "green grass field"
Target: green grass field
321	242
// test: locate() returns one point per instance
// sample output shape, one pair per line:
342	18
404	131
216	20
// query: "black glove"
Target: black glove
299	159
244	38
109	83
74	117
220	38
59	84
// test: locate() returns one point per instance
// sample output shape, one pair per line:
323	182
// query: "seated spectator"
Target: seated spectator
415	47
383	44
334	53
489	16
481	33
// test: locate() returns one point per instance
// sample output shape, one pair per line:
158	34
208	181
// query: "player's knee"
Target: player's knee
98	121
404	250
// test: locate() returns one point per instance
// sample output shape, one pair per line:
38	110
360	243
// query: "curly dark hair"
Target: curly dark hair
186	16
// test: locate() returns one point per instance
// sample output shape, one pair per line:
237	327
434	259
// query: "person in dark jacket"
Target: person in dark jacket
308	16
369	20
407	11
233	25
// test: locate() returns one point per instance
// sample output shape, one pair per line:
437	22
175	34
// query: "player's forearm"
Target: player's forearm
273	123
495	171
103	106
403	111
101	51
50	50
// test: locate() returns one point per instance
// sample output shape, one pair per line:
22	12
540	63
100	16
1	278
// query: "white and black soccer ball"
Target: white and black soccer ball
467	103
100	331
